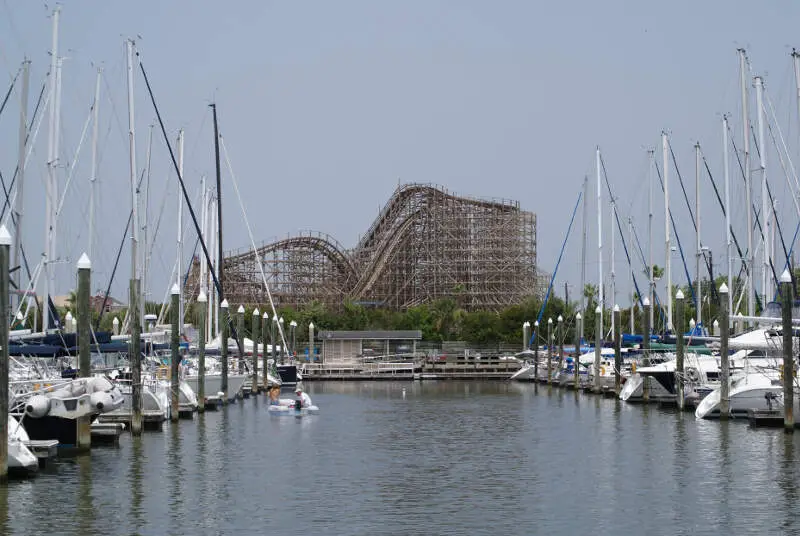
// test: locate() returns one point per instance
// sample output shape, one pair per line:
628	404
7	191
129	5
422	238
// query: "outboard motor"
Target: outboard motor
37	407
102	401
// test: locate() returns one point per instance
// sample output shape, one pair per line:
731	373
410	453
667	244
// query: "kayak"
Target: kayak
290	411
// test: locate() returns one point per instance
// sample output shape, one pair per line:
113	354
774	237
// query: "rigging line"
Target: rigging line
10	89
555	271
783	142
677	237
74	162
216	281
619	229
683	188
252	239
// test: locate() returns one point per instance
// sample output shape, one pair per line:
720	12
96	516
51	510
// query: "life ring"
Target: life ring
693	374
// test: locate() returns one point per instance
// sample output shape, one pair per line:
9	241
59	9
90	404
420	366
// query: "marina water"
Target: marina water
424	458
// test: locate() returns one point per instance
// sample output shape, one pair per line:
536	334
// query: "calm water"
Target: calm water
448	458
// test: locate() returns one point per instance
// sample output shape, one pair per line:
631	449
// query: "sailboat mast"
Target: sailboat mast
766	217
93	176
133	172
668	238
145	229
613	270
583	250
751	293
52	156
728	235
599	243
633	286
19	206
796	63
699	253
651	155
179	312
204	231
220	257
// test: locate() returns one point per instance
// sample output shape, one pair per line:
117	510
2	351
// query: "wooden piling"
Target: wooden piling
5	250
310	342
535	351
273	338
598	347
223	348
255	330
788	354
560	339
175	346
617	350
240	334
264	360
549	350
202	301
724	373
135	357
577	362
646	348
680	317
83	424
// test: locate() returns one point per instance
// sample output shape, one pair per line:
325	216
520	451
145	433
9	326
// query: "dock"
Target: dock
44	450
106	433
151	419
492	368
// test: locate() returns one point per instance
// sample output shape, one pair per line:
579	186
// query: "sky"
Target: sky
325	106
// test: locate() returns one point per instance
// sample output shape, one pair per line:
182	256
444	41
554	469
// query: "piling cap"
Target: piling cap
679	295
723	288
598	310
692	323
240	310
19	315
578	316
275	318
280	320
549	320
256	312
646	301
311	325
786	277
202	298
84	263
68	316
175	290
293	323
5	236
716	323
616	308
536	323
115	321
266	316
224	304
560	318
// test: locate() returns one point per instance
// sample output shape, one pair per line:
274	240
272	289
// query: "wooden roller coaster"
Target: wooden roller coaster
425	244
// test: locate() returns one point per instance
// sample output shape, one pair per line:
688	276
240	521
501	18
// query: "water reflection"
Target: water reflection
4	521
84	513
135	478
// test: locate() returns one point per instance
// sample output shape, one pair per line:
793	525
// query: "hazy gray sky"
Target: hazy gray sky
326	105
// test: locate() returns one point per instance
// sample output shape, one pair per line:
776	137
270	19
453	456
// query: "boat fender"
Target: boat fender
102	401
37	407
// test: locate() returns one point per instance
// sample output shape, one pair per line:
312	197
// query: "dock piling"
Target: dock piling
646	348
240	333
5	250
535	351
310	342
264	360
680	317
560	339
598	346
84	430
788	352
223	349
255	330
202	300
549	350
617	350
175	359
577	364
135	357
724	373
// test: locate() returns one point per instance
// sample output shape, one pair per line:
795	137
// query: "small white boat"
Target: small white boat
290	411
80	397
20	458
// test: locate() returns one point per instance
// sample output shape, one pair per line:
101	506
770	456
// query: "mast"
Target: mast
699	253
652	291
180	238
728	236
613	272
19	207
145	228
668	261
751	293
51	198
599	243
766	286
220	256
93	176
796	62
583	249
204	231
633	287
213	316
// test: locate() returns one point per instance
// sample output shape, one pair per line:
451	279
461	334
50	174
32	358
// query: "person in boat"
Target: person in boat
302	400
274	395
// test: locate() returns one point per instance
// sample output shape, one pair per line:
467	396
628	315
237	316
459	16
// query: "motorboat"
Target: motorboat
289	410
51	413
